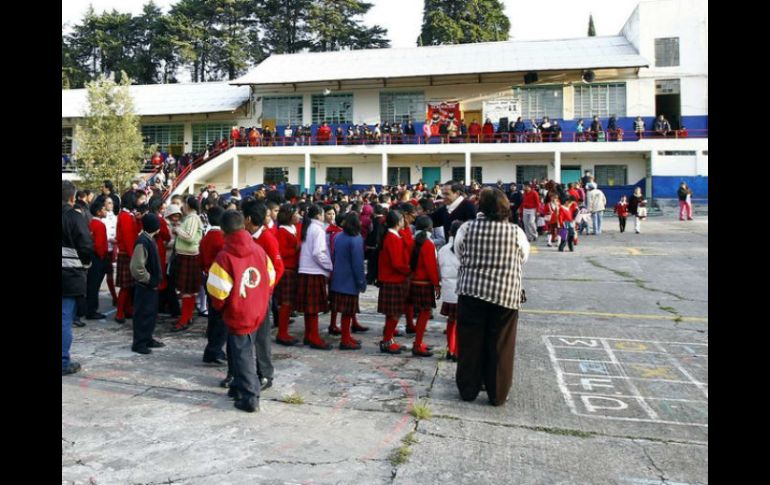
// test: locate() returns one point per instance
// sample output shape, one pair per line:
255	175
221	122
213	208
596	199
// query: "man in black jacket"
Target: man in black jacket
77	249
456	207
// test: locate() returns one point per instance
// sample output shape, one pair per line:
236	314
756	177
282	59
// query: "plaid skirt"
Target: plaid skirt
312	296
392	298
449	310
423	297
123	278
346	305
188	274
286	290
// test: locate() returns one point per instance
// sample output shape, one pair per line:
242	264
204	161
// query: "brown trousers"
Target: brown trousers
486	340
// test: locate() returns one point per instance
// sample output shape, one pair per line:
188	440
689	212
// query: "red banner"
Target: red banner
443	110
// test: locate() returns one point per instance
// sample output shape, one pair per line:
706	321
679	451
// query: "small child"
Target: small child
425	285
146	272
582	219
569	211
239	284
448	266
621	209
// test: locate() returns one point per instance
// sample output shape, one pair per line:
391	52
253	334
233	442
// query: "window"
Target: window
611	175
206	133
602	100
540	101
528	173
458	174
400	107
339	175
274	175
66	141
284	110
667	52
399	175
333	108
163	135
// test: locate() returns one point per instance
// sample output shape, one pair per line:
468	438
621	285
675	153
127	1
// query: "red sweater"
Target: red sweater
393	262
558	220
240	283
621	210
99	235
269	243
211	244
289	245
408	238
161	239
126	232
531	200
331	231
427	264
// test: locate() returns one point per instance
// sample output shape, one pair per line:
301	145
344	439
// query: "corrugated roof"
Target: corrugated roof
167	99
485	57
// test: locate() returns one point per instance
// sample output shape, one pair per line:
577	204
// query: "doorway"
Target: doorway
668	101
431	176
570	173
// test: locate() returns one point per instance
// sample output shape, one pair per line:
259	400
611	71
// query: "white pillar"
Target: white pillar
468	168
648	179
384	168
307	171
236	165
557	167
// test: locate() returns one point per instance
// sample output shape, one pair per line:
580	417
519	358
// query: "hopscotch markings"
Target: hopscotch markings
690	352
600	394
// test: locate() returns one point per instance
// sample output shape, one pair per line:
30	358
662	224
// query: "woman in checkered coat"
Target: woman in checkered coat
186	261
392	273
315	266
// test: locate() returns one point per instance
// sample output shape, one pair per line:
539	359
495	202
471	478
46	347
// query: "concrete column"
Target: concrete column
236	166
384	168
307	171
468	168
557	167
648	179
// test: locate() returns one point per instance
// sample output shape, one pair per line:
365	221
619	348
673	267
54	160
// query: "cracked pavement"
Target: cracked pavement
162	419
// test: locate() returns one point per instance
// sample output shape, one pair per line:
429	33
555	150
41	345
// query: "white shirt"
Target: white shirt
454	205
111	223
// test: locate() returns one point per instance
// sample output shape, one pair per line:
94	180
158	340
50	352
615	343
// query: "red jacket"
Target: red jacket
474	129
211	244
99	235
488	129
531	200
576	194
408	239
331	231
393	261
323	133
269	243
126	233
289	245
621	210
427	264
558	219
240	282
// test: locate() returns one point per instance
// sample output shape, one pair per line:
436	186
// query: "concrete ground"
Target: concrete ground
610	387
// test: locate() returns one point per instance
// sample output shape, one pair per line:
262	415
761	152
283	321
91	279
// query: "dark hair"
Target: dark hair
155	203
67	191
128	201
109	186
423	223
274	196
391	221
351	224
177	197
143	208
82	194
290	193
192	202
96	206
284	214
232	221
427	205
310	214
406	208
215	215
494	204
328	207
271	204
255	211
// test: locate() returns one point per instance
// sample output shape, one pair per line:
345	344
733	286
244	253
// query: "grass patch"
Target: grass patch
678	319
565	432
421	411
409	439
400	455
669	309
293	399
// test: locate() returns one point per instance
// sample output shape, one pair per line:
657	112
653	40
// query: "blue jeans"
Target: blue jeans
596	218
67	314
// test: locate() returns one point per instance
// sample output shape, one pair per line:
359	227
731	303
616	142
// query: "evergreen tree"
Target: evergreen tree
463	22
591	28
334	25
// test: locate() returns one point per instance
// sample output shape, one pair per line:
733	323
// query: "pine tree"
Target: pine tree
335	25
591	28
463	22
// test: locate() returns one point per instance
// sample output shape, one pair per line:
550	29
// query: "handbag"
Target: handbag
641	212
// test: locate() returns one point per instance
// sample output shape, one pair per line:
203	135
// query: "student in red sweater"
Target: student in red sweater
127	232
408	211
289	245
332	229
162	238
239	284
621	209
554	219
392	273
100	261
211	244
425	286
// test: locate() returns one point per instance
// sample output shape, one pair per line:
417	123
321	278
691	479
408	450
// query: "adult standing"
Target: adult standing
685	201
492	253
529	207
456	207
597	202
77	249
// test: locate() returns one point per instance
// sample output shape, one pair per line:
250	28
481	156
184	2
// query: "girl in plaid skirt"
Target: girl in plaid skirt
186	261
425	286
127	232
393	272
289	245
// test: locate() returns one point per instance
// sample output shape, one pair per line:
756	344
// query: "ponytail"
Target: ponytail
422	224
391	221
310	214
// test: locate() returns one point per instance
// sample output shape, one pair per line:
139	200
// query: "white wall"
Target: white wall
678	165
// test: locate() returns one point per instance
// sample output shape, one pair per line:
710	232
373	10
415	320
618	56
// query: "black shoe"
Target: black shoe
266	383
71	368
391	347
234	393
141	350
356	345
321	346
96	316
120	320
226	382
215	361
359	328
155	344
177	328
78	323
244	405
287	343
451	357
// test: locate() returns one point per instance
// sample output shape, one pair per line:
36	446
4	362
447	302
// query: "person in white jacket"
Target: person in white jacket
448	265
315	266
596	204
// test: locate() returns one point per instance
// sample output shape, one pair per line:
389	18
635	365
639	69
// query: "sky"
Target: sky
558	19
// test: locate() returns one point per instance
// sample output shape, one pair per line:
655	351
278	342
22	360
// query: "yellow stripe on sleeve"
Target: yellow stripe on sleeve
219	283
